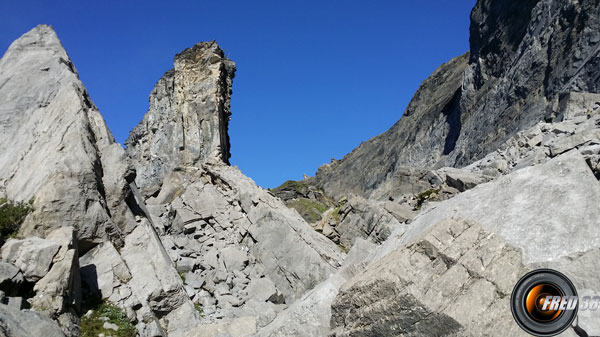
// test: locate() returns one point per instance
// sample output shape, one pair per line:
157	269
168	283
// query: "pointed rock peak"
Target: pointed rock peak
42	38
39	48
187	121
52	140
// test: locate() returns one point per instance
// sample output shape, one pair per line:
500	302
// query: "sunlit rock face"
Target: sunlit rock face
402	238
523	56
52	139
188	117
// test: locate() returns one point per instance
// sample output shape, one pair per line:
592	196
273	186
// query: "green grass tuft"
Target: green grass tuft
309	209
93	324
426	195
199	309
343	248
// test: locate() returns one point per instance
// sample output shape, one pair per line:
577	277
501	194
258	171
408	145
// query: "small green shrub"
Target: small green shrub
92	325
12	215
182	275
426	195
336	214
199	309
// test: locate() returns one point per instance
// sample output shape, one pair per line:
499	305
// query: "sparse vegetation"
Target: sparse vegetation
292	184
311	210
426	195
343	248
199	309
336	214
182	275
92	324
12	215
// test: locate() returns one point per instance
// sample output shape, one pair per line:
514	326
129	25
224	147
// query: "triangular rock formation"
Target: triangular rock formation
54	140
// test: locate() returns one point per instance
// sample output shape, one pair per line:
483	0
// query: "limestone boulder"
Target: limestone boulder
33	256
26	323
11	278
310	315
103	270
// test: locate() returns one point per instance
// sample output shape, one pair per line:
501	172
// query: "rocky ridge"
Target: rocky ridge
218	252
523	56
179	243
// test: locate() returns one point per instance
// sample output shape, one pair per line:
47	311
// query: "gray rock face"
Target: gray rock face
186	123
523	56
453	280
104	270
579	130
560	194
240	255
422	129
26	323
33	256
59	291
309	316
51	127
202	251
357	217
11	279
51	266
539	216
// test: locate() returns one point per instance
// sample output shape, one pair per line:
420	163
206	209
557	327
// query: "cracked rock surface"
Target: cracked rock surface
422	231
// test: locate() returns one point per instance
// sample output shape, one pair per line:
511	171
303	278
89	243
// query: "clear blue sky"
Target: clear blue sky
314	79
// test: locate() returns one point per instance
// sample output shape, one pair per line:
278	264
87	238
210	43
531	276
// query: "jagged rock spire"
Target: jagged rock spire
188	117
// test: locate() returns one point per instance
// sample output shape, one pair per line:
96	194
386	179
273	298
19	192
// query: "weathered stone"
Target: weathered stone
366	219
578	104
196	95
67	239
559	195
16	302
234	259
26	323
60	288
402	213
462	180
103	270
310	315
110	326
33	256
237	327
438	284
58	293
185	264
51	127
11	278
521	61
194	280
261	289
155	281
